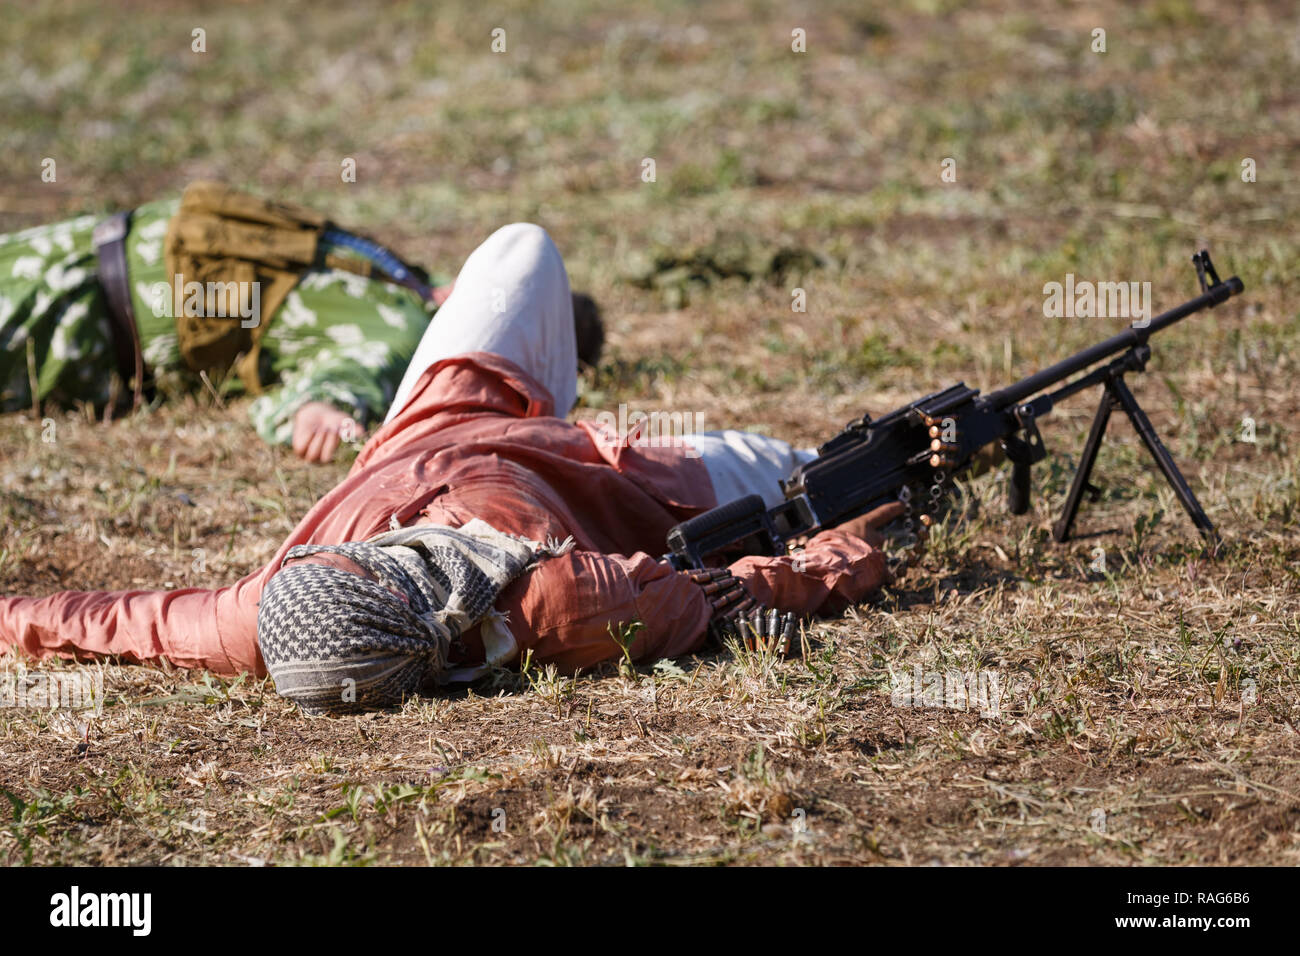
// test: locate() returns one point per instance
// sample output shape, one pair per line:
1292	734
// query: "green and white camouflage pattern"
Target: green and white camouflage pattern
53	325
339	337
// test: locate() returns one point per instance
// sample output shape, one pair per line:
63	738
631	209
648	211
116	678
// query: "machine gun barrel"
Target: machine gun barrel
1133	335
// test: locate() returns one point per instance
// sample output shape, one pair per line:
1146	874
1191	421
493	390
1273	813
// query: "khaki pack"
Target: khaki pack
225	240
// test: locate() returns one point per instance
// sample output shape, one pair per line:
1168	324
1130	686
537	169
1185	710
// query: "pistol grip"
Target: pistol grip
1018	490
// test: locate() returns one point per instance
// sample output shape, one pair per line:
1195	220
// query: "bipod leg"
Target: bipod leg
1061	530
1165	461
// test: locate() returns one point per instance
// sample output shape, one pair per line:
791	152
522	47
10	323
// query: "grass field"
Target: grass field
1147	700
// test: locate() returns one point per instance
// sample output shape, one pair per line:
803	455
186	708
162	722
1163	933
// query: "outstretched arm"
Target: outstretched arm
191	627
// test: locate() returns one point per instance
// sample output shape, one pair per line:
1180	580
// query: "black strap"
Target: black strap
109	238
392	267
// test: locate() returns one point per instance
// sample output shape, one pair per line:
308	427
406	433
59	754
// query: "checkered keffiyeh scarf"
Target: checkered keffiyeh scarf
336	642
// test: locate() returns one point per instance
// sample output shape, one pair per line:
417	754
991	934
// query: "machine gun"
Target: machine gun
925	444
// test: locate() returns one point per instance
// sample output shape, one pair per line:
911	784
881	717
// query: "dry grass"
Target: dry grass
1146	706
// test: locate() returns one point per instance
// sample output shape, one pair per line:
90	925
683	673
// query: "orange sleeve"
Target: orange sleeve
834	571
191	627
565	608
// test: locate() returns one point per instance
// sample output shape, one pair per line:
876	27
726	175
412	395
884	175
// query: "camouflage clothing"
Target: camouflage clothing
339	338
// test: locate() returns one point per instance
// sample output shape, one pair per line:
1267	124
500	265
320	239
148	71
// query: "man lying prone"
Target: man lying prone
477	524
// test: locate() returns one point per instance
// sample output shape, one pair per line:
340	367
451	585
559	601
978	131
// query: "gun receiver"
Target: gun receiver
912	454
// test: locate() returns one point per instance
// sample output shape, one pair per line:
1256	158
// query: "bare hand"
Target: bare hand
318	428
869	527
